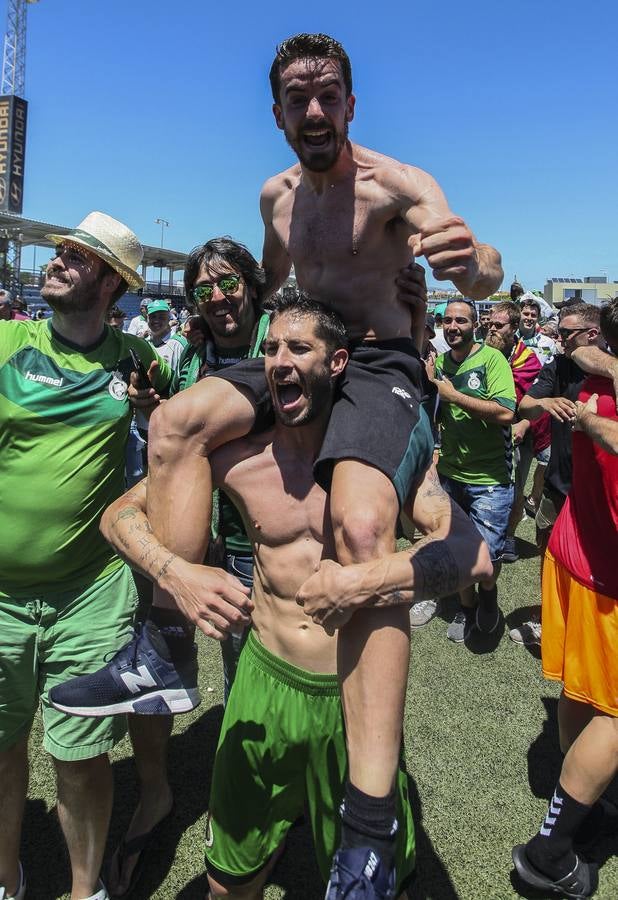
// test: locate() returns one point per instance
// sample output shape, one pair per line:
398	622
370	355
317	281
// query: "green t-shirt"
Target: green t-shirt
64	422
475	451
193	365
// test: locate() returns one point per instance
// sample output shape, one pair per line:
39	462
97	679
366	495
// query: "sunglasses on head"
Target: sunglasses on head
227	284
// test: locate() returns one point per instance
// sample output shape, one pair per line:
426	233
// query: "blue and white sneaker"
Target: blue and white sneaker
359	874
141	678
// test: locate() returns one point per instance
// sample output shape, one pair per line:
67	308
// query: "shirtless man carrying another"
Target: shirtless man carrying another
348	219
282	745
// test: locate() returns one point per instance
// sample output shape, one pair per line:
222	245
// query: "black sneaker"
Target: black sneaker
509	553
359	874
140	678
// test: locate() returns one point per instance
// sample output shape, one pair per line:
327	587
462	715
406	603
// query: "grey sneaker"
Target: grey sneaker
528	633
422	612
460	627
509	553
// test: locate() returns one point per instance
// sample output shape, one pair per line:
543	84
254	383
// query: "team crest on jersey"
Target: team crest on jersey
118	387
210	838
474	382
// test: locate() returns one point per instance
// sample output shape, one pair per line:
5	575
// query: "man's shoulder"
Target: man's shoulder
15	333
280	183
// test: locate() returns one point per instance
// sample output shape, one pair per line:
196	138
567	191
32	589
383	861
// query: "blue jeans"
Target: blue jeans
241	566
488	506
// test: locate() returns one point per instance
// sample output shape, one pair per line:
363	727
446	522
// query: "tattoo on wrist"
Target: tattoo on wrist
165	566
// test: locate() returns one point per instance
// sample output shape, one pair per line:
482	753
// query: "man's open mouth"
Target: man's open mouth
317	139
288	395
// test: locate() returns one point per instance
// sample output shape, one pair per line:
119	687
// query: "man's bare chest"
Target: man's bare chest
335	226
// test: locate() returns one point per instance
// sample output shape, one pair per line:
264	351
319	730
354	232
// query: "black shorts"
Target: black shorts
379	416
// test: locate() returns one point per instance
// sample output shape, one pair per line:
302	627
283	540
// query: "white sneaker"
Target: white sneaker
422	612
527	633
100	895
20	893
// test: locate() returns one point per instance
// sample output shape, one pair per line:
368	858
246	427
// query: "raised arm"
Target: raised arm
211	598
451	249
451	556
275	260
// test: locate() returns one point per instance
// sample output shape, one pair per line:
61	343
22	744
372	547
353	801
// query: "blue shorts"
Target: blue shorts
487	505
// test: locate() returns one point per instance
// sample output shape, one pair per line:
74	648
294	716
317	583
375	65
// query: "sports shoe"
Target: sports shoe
101	894
20	893
530	508
581	882
359	874
487	617
140	678
527	633
422	612
509	553
461	626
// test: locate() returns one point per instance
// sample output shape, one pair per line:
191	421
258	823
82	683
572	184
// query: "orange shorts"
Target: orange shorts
579	638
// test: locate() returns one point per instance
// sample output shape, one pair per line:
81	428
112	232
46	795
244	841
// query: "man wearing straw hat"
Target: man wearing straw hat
64	597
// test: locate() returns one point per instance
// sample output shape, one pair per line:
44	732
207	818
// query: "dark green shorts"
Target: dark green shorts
48	639
282	753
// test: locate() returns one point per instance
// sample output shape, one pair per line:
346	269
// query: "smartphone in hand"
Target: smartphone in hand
143	381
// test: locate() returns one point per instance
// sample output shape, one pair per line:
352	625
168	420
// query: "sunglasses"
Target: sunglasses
497	325
565	333
227	284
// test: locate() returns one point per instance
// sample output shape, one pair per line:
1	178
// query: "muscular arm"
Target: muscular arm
219	599
183	431
275	260
450	556
450	247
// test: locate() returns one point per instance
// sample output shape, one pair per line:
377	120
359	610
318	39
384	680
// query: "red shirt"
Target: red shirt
585	537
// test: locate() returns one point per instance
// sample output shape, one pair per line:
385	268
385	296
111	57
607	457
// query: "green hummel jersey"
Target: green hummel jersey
473	450
64	422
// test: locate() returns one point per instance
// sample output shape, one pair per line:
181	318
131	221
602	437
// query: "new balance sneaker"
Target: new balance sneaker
528	633
20	893
141	678
359	874
509	552
422	612
461	626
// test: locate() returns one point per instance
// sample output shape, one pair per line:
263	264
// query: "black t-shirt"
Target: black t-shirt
559	378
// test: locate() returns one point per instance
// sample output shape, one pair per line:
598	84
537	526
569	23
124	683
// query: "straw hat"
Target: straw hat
111	241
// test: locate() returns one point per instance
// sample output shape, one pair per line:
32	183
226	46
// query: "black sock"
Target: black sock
488	598
369	822
176	631
551	850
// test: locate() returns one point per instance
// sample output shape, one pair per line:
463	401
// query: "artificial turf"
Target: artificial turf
481	747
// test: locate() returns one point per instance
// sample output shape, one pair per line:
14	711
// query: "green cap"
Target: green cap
157	306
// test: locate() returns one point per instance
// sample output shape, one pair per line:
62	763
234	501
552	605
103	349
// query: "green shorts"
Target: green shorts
282	753
47	640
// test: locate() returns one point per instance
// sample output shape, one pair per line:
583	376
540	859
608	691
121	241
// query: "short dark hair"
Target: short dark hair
588	313
533	304
308	46
115	312
466	302
609	322
327	323
516	290
512	309
231	253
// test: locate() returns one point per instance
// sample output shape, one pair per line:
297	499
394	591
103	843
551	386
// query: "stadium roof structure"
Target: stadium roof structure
31	232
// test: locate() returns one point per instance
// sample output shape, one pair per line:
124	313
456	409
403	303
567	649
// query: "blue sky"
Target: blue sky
149	110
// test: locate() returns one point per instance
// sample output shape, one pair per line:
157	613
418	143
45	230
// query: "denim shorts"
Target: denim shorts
488	506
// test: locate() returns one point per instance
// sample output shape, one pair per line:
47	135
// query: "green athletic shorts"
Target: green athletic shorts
282	753
47	640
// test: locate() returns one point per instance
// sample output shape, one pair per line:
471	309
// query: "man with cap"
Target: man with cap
168	345
64	598
139	324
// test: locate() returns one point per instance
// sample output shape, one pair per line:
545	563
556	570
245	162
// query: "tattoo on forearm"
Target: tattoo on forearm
436	571
165	566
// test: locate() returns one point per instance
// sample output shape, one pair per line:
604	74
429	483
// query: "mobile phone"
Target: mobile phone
143	381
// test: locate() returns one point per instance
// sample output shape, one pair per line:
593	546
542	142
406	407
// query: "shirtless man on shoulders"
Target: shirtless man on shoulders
348	219
282	744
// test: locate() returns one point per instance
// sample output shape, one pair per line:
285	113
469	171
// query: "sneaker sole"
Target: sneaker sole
164	702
